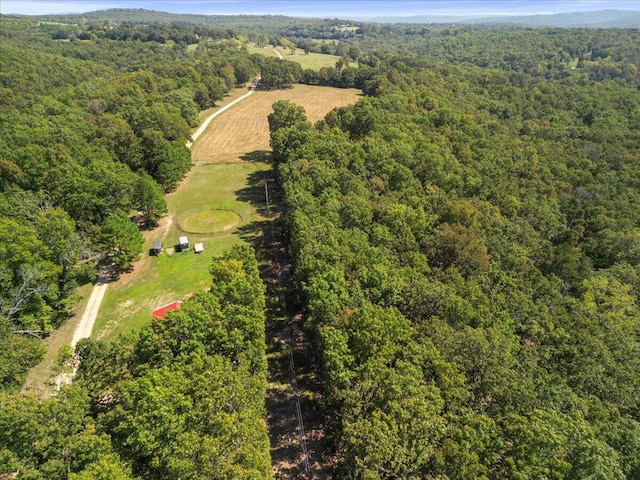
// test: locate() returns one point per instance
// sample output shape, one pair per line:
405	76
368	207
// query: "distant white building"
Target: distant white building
184	243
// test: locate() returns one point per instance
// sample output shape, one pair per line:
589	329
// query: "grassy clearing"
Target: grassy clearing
208	191
266	51
209	221
314	61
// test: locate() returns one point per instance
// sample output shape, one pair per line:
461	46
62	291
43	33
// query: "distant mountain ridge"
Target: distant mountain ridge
597	19
141	15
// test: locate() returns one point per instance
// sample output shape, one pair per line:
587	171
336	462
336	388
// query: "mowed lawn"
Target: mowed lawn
215	204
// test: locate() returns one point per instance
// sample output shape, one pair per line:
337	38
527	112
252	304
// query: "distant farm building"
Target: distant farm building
158	248
198	247
184	243
161	312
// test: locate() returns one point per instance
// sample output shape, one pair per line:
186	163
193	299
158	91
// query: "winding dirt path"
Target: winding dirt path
205	124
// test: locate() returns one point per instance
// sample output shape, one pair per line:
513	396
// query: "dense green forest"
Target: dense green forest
465	244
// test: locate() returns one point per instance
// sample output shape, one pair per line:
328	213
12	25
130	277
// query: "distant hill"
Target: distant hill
598	19
141	15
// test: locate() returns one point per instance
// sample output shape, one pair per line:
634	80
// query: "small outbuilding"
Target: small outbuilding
158	248
184	244
198	247
161	312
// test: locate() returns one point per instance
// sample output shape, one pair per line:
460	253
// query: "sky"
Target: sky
352	9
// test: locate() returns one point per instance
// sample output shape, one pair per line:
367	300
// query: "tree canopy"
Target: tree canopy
465	245
463	242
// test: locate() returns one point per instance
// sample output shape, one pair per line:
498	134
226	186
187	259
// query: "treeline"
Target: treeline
464	243
182	398
182	27
161	33
545	51
552	53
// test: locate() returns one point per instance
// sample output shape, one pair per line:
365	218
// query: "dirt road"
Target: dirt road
205	124
90	312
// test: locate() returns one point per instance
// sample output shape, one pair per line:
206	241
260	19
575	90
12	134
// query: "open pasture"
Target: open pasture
313	61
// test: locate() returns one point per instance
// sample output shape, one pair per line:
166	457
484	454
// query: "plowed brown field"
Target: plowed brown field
244	128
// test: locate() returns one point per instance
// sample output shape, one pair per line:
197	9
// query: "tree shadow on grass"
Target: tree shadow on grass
258	156
263	199
262	234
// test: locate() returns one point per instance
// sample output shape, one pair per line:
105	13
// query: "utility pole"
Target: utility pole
266	196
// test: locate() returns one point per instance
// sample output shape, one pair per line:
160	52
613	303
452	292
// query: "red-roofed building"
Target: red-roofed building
160	312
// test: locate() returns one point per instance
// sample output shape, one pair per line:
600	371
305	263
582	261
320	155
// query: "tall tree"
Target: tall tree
149	199
26	276
120	240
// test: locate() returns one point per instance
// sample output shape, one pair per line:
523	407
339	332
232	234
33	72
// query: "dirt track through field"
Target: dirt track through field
84	328
205	124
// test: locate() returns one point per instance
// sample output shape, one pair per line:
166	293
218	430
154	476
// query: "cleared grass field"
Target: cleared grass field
266	51
211	220
244	130
314	61
174	275
216	204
